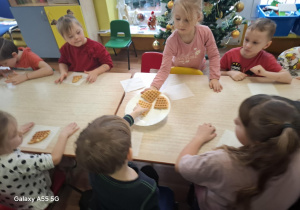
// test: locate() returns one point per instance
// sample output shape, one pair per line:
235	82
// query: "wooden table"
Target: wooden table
162	142
45	103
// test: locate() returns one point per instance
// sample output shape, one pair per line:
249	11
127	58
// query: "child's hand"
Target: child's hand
298	78
215	85
16	78
26	127
237	75
61	78
150	88
92	76
258	70
205	133
69	130
138	110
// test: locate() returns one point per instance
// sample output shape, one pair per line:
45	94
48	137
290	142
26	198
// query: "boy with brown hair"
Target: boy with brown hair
251	59
103	148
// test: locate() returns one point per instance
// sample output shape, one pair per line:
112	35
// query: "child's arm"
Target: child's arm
44	70
63	69
137	111
96	72
205	133
281	76
235	75
26	127
60	145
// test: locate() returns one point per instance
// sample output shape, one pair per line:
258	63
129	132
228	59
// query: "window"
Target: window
267	2
144	5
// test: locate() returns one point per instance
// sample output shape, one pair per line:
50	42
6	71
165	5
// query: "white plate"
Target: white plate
154	115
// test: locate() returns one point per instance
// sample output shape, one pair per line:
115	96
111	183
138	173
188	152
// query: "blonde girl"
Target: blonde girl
188	45
26	175
261	174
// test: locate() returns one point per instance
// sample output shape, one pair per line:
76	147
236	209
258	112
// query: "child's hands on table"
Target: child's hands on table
205	133
215	85
61	78
92	76
26	127
237	75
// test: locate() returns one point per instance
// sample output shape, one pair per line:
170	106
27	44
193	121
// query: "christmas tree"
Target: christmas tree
213	10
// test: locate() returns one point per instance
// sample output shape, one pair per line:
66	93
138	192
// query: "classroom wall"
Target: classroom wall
106	11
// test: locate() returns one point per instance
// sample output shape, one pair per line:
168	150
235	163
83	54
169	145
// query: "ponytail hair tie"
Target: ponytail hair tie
287	125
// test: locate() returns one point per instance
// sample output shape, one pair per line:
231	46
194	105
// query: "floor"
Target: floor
69	198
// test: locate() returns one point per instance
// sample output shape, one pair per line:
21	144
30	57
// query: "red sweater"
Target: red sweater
87	57
233	60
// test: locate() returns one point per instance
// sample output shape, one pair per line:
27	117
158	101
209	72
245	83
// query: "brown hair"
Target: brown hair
102	147
65	24
6	121
264	24
190	7
7	48
272	124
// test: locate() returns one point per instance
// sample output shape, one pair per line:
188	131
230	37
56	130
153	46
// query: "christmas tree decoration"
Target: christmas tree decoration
166	13
237	20
152	21
170	4
169	27
235	34
156	45
239	6
207	8
140	17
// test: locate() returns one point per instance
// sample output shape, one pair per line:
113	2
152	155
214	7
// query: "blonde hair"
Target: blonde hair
272	123
102	147
65	24
262	25
6	120
192	9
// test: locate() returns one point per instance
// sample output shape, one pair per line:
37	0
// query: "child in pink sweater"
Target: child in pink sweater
188	44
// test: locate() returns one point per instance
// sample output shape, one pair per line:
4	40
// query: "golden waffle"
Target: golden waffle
161	103
39	136
150	95
145	104
76	78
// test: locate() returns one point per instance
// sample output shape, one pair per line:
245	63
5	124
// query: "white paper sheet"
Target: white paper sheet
69	79
43	144
262	88
132	84
176	92
136	140
229	138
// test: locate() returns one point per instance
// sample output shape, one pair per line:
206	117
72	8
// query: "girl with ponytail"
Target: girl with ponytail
261	174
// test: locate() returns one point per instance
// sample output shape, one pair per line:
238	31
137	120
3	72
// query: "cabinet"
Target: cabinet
35	18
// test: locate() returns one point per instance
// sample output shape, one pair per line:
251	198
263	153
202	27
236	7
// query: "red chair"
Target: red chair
151	60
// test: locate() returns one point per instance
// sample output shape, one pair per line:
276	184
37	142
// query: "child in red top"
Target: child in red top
251	59
80	53
11	56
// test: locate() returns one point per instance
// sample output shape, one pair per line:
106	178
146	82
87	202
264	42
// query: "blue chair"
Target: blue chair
7	22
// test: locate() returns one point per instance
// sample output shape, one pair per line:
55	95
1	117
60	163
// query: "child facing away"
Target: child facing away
26	175
103	148
261	174
188	44
79	53
252	59
14	57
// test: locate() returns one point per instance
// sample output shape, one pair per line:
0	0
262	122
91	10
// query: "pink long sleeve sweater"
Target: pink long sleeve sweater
178	53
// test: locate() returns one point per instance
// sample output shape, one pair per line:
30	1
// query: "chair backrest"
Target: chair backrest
185	70
5	9
151	60
117	26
